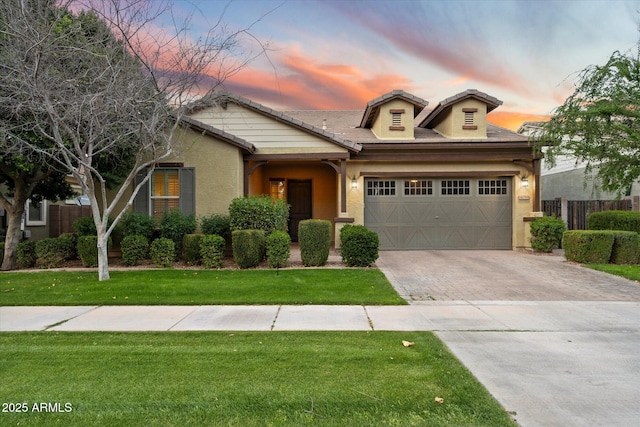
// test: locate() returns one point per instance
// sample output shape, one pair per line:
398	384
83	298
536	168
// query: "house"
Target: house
422	178
567	178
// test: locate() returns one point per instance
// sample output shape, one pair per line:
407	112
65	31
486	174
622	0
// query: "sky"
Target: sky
338	55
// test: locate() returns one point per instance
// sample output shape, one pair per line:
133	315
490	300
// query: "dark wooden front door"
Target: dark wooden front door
299	197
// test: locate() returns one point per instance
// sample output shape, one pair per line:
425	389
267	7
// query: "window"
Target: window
165	191
493	186
36	213
396	119
381	188
417	187
469	118
454	187
276	188
168	188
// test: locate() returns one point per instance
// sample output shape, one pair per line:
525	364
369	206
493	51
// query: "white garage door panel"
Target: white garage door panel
471	217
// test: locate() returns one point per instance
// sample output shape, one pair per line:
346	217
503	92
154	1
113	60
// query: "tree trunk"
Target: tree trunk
103	256
14	234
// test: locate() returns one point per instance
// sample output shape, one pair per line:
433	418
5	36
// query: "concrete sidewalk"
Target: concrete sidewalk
494	316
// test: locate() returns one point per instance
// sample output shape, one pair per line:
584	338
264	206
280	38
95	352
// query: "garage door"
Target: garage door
444	213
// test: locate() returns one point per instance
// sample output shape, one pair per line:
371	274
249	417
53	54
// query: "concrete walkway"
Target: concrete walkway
565	354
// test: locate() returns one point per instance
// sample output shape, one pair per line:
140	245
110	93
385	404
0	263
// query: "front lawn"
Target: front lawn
239	379
629	271
200	287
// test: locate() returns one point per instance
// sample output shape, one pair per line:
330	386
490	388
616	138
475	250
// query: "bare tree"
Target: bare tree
106	88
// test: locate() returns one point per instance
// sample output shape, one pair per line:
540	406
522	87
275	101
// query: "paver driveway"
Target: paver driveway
498	276
570	356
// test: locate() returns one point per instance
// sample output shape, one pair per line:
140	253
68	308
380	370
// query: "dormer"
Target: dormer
462	116
391	116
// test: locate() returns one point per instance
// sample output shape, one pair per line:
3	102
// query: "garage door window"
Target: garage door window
418	187
455	187
381	188
492	186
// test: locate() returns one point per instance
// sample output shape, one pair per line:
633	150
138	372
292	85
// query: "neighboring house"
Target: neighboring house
567	179
441	178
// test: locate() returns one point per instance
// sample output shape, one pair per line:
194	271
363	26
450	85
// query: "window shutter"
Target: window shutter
187	191
141	202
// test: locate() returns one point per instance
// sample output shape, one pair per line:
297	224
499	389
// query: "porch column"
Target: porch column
343	186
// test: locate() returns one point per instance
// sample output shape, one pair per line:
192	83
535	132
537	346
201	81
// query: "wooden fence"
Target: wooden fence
575	212
61	218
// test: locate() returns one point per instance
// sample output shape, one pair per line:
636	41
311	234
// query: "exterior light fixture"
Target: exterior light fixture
525	180
354	183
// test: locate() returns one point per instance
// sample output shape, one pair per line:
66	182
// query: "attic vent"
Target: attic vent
469	118
396	120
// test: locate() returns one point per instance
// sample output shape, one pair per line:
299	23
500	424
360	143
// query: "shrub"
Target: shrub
134	249
546	233
626	248
212	250
191	248
163	252
614	220
53	251
84	226
26	254
174	225
314	237
135	224
258	213
248	247
359	245
588	246
215	224
278	245
88	250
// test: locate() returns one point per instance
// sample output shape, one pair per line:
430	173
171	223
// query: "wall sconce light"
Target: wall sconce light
354	183
525	180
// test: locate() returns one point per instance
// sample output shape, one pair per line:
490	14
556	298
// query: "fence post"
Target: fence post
564	211
635	202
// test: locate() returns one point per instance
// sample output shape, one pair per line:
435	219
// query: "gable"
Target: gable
462	116
391	116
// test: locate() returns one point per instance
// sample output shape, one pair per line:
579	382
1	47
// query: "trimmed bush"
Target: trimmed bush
248	247
26	254
191	248
614	220
546	233
135	224
588	246
359	245
174	225
84	226
53	251
314	238
258	213
163	252
278	245
88	250
134	248
212	248
215	224
626	248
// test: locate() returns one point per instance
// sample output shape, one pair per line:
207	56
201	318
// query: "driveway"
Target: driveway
569	355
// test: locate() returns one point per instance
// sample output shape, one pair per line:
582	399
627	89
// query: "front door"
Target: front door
299	197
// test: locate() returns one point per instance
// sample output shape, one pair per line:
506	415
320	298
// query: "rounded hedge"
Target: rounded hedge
134	248
614	220
278	245
248	247
212	248
314	238
26	254
163	252
546	233
358	245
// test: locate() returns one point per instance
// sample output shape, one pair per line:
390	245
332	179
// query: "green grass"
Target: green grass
629	271
199	287
241	379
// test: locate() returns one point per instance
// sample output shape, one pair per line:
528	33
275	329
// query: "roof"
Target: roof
217	133
373	106
222	98
444	106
